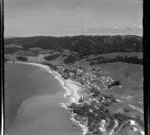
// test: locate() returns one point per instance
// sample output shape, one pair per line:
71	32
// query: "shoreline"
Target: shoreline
34	64
72	90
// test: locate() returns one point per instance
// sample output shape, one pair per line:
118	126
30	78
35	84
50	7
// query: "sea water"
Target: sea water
33	100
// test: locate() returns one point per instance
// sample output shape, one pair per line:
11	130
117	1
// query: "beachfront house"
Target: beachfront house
72	73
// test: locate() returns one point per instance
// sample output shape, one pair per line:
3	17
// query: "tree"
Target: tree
21	58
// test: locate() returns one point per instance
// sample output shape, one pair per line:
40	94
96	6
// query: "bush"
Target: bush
70	59
21	58
5	60
133	60
51	57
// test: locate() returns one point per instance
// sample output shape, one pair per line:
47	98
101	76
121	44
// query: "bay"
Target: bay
32	103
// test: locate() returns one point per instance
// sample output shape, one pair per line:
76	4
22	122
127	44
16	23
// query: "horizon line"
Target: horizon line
8	37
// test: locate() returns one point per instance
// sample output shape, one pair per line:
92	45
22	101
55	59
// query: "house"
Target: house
71	73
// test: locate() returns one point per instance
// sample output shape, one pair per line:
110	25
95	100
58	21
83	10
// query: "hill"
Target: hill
84	45
92	49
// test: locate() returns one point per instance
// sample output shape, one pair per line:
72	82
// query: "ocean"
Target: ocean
32	103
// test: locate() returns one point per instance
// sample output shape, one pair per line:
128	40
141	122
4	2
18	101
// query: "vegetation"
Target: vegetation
70	59
126	109
121	118
50	65
98	109
139	121
111	124
51	57
95	92
94	117
5	60
133	60
11	50
115	83
21	58
84	45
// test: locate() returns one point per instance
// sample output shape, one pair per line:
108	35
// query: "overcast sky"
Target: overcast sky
71	17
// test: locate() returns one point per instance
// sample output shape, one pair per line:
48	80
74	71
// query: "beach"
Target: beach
73	93
41	110
72	88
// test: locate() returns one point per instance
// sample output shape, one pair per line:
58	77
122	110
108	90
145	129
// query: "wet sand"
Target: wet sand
32	102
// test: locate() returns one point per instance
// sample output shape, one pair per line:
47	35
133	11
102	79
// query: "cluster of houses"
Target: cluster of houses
89	78
72	72
95	82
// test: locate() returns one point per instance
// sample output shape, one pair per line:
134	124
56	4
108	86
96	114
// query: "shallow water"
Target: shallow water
32	103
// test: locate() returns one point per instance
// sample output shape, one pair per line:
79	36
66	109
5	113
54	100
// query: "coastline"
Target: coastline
73	93
72	90
34	64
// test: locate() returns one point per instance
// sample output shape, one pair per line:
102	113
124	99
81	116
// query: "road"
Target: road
112	131
137	108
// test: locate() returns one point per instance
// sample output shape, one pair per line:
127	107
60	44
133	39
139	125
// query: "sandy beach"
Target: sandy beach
35	64
71	93
72	88
39	102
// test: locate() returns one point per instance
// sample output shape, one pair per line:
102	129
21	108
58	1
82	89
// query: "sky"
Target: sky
72	17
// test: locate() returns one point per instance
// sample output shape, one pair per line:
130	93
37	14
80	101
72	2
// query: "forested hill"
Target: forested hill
82	44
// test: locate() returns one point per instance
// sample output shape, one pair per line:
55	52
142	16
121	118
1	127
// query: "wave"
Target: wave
27	110
43	115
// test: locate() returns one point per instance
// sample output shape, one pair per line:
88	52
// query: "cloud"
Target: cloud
27	17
